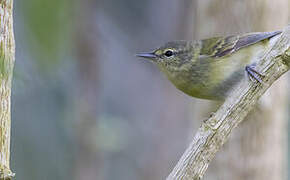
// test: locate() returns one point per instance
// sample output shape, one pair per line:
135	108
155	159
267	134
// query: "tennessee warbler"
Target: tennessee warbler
210	68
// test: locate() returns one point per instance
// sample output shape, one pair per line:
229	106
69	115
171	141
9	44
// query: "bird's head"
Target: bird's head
170	56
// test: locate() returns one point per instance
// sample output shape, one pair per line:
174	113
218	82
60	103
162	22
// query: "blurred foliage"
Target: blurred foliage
49	25
127	21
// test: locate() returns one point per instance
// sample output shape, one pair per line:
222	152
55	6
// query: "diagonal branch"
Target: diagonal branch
215	131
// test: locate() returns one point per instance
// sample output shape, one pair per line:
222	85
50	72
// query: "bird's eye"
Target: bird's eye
168	53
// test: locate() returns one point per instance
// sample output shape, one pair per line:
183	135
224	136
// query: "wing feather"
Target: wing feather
222	46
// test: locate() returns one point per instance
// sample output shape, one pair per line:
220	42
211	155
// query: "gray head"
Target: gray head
171	55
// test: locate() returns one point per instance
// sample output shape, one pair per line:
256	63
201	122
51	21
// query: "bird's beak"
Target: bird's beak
149	55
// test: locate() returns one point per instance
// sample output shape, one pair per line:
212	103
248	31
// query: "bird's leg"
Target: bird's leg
253	74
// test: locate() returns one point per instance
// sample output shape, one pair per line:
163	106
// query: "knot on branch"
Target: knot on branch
6	174
286	57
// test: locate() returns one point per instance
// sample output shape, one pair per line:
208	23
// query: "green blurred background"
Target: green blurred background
84	107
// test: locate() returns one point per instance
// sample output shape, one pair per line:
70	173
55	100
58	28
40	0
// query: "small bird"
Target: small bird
210	68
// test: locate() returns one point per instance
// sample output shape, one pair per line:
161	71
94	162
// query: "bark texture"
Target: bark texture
7	49
215	131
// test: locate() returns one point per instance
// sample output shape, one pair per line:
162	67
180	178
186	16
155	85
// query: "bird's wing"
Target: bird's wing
221	46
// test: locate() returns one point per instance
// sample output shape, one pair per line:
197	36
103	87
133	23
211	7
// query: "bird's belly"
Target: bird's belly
194	83
230	70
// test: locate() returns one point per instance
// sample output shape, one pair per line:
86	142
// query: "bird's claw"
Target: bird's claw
253	74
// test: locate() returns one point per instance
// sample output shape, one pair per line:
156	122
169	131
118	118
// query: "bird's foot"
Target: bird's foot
253	74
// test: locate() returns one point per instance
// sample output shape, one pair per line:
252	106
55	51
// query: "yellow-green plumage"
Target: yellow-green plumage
209	68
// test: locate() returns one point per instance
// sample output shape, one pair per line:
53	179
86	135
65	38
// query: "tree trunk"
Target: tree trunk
7	56
257	149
